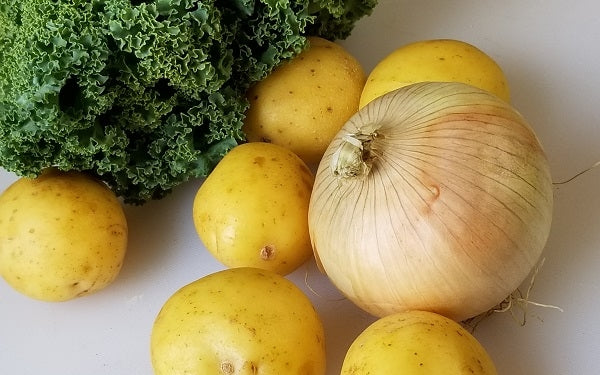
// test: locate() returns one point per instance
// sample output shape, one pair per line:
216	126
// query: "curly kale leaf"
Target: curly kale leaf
145	94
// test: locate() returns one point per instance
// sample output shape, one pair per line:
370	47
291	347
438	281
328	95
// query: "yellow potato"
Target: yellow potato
252	210
238	321
62	235
416	343
306	101
445	60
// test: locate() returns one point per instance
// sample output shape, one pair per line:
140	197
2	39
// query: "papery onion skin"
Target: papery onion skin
454	209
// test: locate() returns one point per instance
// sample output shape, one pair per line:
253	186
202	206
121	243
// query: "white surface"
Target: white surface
549	50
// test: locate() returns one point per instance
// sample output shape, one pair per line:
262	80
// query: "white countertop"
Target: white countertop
550	52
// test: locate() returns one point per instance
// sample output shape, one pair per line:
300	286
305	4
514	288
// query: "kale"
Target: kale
144	94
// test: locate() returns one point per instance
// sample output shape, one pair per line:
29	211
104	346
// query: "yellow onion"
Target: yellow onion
437	197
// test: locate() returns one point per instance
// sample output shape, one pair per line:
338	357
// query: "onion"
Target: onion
437	197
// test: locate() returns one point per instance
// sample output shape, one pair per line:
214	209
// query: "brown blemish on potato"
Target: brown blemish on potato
86	268
82	293
227	368
254	368
259	160
267	252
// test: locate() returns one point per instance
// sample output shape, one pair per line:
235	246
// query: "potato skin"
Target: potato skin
416	342
303	103
62	235
252	210
445	60
242	321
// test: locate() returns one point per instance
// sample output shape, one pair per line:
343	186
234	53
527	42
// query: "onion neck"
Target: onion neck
354	157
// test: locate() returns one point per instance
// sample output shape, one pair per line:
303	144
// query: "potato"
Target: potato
306	101
252	210
238	321
62	235
416	342
446	60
